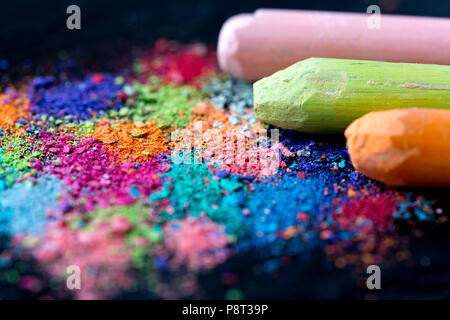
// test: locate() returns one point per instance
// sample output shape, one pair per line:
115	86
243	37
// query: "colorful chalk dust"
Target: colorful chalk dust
88	178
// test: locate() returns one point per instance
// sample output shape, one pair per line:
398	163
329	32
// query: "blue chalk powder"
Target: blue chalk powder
23	207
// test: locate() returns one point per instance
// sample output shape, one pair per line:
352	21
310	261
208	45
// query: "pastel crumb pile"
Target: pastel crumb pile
90	176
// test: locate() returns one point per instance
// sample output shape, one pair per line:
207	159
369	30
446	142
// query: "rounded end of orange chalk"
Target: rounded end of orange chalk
227	49
370	147
402	147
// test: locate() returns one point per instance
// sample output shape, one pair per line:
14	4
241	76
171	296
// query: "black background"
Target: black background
30	28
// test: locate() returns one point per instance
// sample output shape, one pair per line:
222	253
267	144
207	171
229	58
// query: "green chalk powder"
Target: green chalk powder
234	294
132	213
15	156
17	153
84	127
170	106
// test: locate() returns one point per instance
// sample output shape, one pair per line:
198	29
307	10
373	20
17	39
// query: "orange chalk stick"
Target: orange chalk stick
402	147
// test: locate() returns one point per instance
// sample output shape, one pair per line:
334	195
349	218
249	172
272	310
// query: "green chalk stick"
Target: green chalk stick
320	95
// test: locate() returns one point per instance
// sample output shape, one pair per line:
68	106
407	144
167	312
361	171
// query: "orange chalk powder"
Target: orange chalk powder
12	109
133	140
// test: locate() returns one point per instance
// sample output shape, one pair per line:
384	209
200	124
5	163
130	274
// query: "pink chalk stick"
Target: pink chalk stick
252	46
